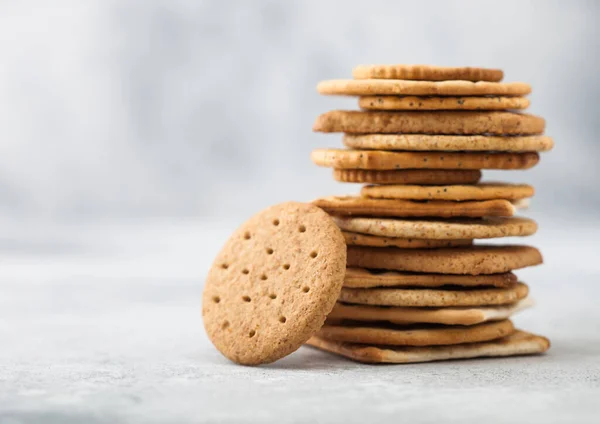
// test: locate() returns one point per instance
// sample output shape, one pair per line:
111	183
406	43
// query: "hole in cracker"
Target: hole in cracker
269	251
276	222
246	298
302	229
286	266
263	277
251	333
225	325
216	299
305	289
247	235
273	296
282	319
313	254
245	271
224	266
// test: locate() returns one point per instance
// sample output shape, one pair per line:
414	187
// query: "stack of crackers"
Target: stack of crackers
421	283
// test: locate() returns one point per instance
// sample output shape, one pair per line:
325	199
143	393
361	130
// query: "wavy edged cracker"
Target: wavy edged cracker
389	87
417	335
452	315
384	160
408	176
428	122
474	260
441	103
446	143
482	228
273	283
518	343
355	205
356	239
434	298
365	278
481	191
427	73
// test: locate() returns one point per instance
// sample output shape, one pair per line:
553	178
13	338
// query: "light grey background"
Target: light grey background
113	109
136	135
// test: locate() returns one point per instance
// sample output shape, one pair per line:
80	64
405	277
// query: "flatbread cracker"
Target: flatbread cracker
356	239
409	176
441	103
427	73
481	191
457	315
518	343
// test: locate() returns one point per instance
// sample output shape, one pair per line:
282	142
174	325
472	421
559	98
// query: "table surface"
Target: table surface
101	323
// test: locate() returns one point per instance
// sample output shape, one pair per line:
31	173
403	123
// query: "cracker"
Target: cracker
417	335
366	278
356	239
439	298
474	260
427	73
408	176
518	343
449	143
424	122
441	103
453	315
481	191
385	160
396	87
273	283
482	228
355	205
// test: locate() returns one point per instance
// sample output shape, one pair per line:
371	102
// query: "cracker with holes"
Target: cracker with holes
408	176
273	283
518	343
427	73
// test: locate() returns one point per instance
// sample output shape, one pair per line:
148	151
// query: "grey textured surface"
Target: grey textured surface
101	324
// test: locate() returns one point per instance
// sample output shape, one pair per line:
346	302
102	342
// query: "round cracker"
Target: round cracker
417	335
356	239
369	278
273	283
446	122
389	87
487	227
383	160
437	298
408	176
448	143
427	73
441	103
481	191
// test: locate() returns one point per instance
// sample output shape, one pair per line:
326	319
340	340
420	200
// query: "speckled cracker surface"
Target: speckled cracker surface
518	343
273	283
441	103
384	160
355	205
480	228
481	191
393	87
417	335
356	239
408	176
434	297
449	143
473	260
427	73
367	278
451	315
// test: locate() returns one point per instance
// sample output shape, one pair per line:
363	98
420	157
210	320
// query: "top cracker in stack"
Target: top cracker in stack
420	141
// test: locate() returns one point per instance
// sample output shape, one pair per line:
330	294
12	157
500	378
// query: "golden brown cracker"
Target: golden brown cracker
408	176
356	239
481	191
441	103
273	283
427	73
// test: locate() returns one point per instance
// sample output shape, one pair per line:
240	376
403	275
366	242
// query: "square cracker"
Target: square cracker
518	343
